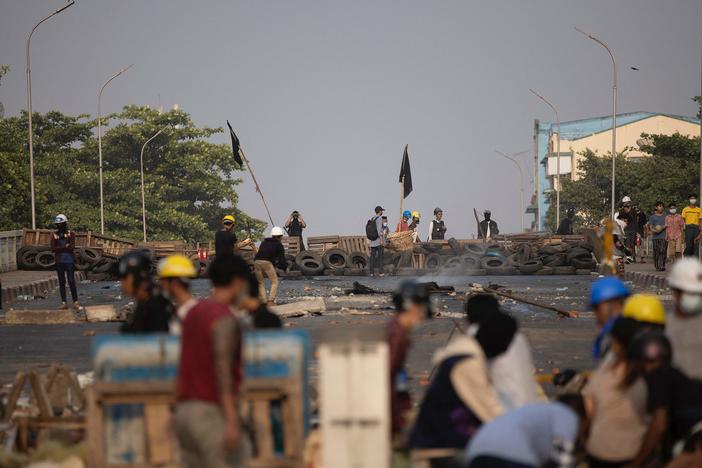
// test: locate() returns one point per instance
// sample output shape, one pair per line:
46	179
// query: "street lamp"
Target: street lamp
29	108
614	111
558	158
521	184
141	163
102	203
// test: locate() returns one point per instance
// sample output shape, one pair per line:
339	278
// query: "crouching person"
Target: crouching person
461	397
207	418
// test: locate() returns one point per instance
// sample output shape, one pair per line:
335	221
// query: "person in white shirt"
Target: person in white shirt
174	275
437	228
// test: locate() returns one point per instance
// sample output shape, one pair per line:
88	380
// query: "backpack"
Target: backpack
372	229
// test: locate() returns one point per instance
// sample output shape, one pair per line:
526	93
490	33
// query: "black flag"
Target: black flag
235	145
406	174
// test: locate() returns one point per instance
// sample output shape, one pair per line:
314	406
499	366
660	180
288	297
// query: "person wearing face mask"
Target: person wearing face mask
412	306
627	217
684	325
692	214
655	227
487	227
63	242
174	275
674	229
607	298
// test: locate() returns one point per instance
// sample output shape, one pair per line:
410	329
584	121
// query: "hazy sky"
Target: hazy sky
324	94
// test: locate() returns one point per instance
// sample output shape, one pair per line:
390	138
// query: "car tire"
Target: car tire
488	263
470	261
358	261
478	249
27	260
45	260
582	263
89	254
454	263
578	252
555	260
433	261
530	266
456	247
307	254
564	270
104	266
311	267
502	271
523	253
335	259
545	271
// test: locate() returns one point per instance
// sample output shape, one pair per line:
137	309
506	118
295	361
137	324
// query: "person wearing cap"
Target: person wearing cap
461	397
63	243
674	402
153	312
684	325
627	218
437	228
412	307
403	225
207	418
270	255
487	227
607	297
174	275
377	246
294	225
225	239
692	214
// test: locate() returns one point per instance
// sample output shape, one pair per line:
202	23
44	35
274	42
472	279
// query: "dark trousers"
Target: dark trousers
67	270
660	252
631	242
377	259
692	248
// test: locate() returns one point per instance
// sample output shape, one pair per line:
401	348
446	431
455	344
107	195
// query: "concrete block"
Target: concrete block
39	317
300	308
101	313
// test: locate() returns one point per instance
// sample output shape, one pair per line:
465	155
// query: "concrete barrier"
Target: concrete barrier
10	242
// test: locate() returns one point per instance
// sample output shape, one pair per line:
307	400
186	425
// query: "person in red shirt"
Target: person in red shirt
412	308
207	419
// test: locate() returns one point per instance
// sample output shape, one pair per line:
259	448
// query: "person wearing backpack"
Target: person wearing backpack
374	230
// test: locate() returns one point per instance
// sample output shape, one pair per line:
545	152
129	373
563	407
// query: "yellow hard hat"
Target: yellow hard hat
176	266
645	308
415	214
229	218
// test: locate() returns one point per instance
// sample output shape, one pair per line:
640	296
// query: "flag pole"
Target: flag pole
258	188
402	195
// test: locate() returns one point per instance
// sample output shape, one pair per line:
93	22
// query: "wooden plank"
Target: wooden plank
20	380
40	396
94	430
262	424
159	446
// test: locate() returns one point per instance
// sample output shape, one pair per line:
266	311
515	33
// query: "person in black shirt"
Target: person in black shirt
487	227
566	227
270	255
225	239
153	312
260	315
294	225
437	228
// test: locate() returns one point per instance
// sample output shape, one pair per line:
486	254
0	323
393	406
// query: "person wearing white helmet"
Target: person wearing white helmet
625	217
63	243
684	325
271	254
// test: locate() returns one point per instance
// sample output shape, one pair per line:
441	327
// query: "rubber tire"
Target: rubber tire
477	272
488	263
583	272
530	266
578	252
523	253
82	265
548	250
90	255
478	249
470	261
358	261
311	267
586	246
545	271
581	263
564	270
307	254
454	263
433	261
290	260
431	248
456	247
555	260
502	271
27	261
336	259
45	260
104	265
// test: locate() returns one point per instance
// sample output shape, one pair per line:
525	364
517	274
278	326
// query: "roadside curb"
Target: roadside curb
646	280
33	288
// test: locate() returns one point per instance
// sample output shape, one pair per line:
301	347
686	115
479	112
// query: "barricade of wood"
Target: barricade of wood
322	243
291	244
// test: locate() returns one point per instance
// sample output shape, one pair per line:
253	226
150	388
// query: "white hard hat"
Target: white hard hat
277	231
60	219
626	199
686	275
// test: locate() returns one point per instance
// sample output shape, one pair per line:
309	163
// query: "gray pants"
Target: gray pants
200	430
377	259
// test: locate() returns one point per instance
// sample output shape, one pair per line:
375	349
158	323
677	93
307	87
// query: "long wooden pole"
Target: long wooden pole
402	196
561	312
258	188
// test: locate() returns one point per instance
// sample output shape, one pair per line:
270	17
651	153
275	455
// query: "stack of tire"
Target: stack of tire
332	262
522	259
37	257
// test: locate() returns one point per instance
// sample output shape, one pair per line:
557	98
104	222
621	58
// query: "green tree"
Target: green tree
189	181
698	100
669	174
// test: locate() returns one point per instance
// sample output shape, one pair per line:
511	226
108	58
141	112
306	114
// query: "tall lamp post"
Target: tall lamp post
102	201
141	162
521	184
29	109
614	112
558	158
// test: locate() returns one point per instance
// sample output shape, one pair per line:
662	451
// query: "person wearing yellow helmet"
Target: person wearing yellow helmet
174	275
225	239
646	309
414	226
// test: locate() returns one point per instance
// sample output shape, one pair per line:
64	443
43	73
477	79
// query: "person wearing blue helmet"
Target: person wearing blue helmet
403	225
607	298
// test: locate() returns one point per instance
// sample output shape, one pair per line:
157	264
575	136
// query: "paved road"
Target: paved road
557	342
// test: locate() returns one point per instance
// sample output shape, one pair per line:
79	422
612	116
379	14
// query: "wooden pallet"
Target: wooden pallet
42	237
322	243
291	244
352	244
164	248
113	247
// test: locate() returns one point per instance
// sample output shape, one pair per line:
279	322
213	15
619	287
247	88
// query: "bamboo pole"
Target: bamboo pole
258	188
